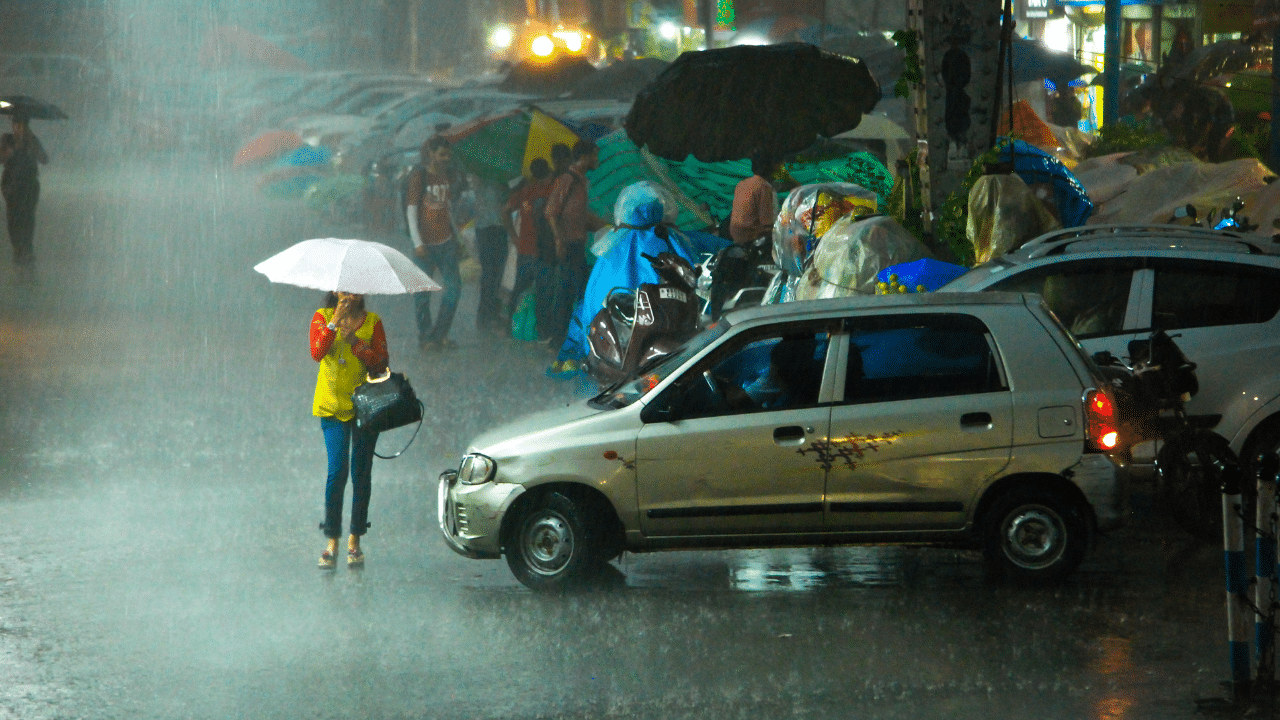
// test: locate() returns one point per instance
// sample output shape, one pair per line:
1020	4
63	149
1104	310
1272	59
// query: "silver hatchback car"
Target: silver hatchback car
972	420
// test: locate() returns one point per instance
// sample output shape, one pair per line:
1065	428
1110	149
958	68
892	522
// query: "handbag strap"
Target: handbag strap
422	414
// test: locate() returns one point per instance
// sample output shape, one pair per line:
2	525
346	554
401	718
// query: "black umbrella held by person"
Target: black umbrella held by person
22	155
725	103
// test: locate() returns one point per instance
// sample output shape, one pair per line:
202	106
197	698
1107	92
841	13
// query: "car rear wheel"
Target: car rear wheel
1035	535
554	544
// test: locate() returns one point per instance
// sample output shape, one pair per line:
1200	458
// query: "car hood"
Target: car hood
551	423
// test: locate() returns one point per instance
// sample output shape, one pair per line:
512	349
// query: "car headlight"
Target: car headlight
476	469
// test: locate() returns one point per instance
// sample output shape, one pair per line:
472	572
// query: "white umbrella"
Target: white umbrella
362	267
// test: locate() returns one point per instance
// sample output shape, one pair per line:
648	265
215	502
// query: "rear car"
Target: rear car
1214	292
973	421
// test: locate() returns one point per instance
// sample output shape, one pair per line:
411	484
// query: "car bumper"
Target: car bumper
470	516
1105	484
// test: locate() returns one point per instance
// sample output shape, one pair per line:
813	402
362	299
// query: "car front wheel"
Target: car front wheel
1035	535
554	545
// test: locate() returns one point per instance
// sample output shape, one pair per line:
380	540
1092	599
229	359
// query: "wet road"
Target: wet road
162	482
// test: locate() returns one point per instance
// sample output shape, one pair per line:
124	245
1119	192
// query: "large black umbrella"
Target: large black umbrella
29	107
727	103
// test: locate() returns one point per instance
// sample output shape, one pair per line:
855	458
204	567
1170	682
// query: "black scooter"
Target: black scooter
635	327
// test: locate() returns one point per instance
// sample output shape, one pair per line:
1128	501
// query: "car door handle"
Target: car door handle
789	436
976	421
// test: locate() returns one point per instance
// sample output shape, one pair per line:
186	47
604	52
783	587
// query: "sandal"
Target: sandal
355	558
327	561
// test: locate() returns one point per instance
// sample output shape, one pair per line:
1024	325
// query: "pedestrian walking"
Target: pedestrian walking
529	202
349	343
492	248
571	221
22	155
429	199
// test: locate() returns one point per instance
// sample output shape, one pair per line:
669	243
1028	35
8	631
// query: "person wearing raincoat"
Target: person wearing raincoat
644	214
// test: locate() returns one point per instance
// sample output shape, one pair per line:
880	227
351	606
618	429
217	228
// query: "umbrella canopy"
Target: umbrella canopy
727	103
620	80
1225	56
553	76
1034	61
501	147
355	266
268	145
29	107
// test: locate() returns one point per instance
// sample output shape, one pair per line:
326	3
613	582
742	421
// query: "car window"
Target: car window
1191	294
902	357
1089	297
778	367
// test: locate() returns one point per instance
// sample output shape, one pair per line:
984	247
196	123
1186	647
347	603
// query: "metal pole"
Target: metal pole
1237	584
1265	586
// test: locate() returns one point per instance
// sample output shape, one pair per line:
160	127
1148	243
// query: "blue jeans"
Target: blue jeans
492	249
441	262
351	450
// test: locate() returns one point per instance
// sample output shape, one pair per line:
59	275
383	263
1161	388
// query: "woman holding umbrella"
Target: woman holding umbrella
349	343
22	155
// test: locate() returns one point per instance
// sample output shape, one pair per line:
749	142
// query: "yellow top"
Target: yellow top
341	372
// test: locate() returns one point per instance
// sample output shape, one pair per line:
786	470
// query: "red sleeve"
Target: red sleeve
321	337
373	354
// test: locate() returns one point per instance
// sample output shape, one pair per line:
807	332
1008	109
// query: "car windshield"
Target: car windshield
633	387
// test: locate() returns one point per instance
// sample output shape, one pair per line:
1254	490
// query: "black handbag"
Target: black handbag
387	402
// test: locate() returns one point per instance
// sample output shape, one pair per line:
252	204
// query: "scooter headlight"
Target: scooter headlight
476	469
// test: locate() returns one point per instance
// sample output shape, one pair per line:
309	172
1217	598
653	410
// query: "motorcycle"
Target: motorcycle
1152	390
635	327
737	276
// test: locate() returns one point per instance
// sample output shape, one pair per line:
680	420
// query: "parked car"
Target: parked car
1214	292
970	420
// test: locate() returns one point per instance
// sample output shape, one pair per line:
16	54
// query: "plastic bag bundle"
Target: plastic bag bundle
1003	214
852	253
809	214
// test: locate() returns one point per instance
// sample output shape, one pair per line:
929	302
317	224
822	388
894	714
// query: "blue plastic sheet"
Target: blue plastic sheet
640	205
930	273
1034	165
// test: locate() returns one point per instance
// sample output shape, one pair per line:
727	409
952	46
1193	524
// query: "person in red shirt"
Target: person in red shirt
529	199
572	221
429	212
755	207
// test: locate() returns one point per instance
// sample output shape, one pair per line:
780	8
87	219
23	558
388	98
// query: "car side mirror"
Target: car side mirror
662	409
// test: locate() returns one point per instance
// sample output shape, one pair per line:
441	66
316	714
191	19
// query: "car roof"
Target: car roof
1144	239
836	306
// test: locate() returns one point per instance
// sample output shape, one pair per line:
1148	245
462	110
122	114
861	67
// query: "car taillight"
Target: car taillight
1101	425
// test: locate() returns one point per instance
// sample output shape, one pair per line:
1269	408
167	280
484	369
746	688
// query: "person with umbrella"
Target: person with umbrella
350	345
22	154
